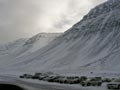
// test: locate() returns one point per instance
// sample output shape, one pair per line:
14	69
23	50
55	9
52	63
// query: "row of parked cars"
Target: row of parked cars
83	80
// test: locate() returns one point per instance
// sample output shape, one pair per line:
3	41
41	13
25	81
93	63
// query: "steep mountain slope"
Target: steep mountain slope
7	48
21	47
39	41
92	43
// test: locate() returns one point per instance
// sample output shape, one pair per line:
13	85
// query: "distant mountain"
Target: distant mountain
24	46
93	43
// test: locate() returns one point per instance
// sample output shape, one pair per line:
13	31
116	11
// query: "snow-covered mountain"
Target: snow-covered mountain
92	43
7	48
25	46
31	44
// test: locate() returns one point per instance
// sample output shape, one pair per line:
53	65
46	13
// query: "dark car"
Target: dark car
27	76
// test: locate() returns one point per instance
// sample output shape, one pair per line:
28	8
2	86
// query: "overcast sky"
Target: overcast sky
24	18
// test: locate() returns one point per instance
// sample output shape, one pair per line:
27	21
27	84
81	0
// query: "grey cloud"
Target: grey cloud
23	18
17	17
75	11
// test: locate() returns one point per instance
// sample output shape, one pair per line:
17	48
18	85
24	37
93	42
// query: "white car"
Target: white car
113	85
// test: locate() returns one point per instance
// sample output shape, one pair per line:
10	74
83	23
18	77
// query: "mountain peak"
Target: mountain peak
104	8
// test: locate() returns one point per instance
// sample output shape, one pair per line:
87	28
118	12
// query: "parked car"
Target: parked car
106	80
36	75
91	82
27	76
113	85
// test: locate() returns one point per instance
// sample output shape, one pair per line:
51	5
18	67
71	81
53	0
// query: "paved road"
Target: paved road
43	86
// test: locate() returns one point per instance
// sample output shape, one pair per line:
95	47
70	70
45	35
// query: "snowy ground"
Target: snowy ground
40	85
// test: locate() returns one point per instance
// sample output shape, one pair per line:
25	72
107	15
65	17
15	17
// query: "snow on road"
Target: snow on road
39	85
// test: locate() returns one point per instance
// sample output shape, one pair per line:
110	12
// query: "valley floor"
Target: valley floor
39	85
